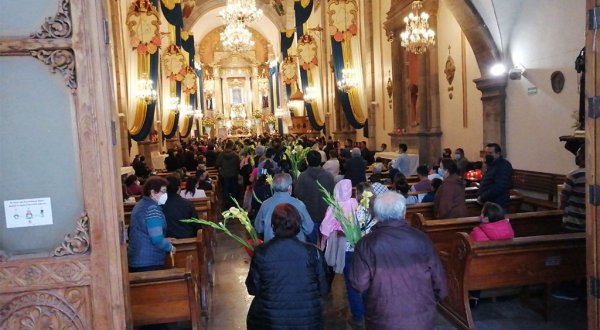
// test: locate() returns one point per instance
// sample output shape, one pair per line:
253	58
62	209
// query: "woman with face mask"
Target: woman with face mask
147	244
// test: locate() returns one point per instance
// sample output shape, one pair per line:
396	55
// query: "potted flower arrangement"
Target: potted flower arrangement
296	154
353	225
234	213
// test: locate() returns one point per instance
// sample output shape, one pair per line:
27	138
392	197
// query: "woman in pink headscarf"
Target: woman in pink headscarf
333	239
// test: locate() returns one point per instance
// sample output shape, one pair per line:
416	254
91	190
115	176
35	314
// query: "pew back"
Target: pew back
164	296
473	208
498	264
442	232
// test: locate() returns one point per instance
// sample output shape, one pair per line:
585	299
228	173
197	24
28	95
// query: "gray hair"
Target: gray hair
355	152
281	182
389	206
377	168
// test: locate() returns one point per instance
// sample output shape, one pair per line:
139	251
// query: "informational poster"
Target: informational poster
28	212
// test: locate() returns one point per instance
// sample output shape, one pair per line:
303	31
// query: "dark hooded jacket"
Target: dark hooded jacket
398	269
287	279
496	183
307	190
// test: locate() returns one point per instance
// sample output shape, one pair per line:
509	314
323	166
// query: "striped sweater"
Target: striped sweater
147	243
573	195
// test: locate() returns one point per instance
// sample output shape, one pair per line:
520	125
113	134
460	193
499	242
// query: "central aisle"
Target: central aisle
230	301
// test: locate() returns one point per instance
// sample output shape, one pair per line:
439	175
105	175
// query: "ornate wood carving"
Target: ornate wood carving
56	309
59	26
78	242
42	274
62	60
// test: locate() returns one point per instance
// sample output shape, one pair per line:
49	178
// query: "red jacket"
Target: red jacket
492	231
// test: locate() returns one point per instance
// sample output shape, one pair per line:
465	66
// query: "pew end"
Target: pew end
520	261
165	296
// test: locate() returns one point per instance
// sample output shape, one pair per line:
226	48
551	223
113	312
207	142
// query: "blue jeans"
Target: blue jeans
355	298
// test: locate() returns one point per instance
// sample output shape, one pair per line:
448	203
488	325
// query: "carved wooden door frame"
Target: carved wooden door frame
83	285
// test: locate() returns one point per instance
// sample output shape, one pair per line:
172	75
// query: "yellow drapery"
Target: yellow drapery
355	103
315	107
141	105
170	4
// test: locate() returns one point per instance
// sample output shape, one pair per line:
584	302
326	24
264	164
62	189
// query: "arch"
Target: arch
477	33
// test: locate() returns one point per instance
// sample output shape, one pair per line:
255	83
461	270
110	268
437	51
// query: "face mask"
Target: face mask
457	156
489	159
137	183
162	199
440	171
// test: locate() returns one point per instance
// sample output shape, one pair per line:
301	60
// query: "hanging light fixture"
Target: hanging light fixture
310	94
237	38
241	12
348	80
145	89
418	36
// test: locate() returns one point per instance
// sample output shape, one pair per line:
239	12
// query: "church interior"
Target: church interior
89	86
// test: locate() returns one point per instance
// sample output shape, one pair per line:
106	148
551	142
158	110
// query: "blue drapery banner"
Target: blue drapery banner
338	66
149	119
302	14
286	43
174	17
188	46
272	71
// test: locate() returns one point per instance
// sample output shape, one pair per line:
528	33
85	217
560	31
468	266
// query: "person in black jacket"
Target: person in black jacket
497	180
355	168
177	208
286	277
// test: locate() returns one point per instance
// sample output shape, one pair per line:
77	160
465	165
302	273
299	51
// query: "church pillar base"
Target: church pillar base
145	148
493	97
343	135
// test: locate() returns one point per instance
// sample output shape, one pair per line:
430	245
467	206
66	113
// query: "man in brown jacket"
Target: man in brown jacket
449	200
398	269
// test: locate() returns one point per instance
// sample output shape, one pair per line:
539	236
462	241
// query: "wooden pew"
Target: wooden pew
473	208
538	182
443	232
196	249
206	211
164	296
499	264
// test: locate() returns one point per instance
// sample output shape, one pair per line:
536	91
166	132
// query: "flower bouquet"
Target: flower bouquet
296	154
234	213
356	224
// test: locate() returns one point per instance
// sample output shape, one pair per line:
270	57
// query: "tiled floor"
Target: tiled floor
231	302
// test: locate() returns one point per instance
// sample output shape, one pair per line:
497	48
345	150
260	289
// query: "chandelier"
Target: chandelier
146	91
310	94
348	81
237	38
241	12
418	36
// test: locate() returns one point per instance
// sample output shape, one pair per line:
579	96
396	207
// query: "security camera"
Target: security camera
515	73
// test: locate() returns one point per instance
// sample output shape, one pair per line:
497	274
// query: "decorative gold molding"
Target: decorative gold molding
59	26
62	60
40	310
78	242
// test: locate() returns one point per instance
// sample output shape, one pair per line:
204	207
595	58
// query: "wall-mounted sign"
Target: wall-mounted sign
28	212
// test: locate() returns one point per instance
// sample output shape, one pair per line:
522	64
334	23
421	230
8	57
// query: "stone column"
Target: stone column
493	97
217	95
256	97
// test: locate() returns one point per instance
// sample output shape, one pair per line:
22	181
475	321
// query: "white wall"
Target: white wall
545	38
384	119
454	134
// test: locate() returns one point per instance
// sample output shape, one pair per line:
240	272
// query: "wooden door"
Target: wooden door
58	144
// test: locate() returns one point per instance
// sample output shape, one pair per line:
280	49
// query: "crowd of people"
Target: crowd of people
304	243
